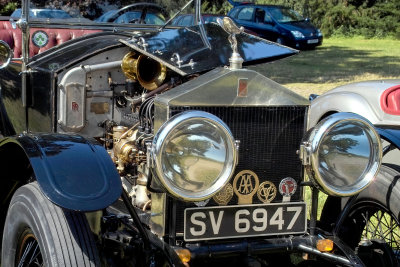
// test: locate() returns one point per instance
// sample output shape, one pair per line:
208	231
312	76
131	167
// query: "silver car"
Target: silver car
378	101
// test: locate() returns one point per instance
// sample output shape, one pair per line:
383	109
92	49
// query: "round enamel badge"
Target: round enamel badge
287	187
40	38
266	192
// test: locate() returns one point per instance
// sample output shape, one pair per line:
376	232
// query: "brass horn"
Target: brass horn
148	72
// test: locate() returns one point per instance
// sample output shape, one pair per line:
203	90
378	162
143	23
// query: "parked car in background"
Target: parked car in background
277	23
142	13
188	19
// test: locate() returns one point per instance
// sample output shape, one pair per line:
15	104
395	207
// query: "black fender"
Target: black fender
335	207
385	190
73	172
390	134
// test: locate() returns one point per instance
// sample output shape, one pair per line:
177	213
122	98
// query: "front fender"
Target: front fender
341	102
73	172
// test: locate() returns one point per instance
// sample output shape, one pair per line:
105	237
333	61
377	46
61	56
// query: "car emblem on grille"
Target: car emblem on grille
242	87
245	185
287	187
224	195
266	192
74	106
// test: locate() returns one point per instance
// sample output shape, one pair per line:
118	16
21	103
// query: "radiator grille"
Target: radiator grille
269	138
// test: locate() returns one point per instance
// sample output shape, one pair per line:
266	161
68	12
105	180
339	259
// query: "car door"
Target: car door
264	25
245	17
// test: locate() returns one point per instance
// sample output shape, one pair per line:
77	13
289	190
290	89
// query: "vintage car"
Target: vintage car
148	145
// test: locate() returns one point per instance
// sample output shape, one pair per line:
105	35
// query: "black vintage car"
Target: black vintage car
149	145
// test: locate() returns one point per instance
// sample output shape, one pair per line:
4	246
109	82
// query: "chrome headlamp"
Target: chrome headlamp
342	154
194	155
5	54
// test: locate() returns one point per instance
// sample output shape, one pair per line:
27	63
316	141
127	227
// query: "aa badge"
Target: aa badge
267	192
245	186
224	195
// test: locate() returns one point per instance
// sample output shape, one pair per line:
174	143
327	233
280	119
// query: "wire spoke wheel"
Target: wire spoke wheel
371	221
29	254
381	225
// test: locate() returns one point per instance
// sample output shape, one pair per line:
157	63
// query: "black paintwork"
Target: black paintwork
73	51
390	133
40	102
39	117
73	172
12	113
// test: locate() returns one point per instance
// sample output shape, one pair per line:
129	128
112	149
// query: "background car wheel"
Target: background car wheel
372	224
39	233
279	40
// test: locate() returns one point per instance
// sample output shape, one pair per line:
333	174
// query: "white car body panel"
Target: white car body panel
362	98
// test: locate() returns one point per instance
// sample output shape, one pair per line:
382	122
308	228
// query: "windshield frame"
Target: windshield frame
81	22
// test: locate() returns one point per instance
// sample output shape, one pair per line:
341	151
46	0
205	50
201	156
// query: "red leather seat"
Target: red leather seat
56	36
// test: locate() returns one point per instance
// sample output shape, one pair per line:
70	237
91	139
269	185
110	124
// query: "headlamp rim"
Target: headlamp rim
159	143
322	130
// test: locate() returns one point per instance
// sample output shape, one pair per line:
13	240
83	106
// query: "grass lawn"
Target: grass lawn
338	61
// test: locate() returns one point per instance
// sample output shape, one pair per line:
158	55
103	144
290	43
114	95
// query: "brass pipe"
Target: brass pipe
148	72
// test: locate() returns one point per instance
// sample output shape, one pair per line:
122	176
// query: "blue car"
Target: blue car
277	23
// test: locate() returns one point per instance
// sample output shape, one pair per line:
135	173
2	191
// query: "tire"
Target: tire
63	237
374	216
279	40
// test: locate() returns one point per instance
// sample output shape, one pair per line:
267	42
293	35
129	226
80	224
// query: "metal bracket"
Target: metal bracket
305	153
29	71
177	60
142	43
237	147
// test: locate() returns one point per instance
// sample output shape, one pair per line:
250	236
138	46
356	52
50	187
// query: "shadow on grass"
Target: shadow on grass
333	63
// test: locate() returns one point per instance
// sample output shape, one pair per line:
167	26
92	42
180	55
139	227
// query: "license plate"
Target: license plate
312	41
207	223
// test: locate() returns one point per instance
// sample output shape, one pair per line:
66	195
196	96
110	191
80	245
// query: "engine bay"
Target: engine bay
110	97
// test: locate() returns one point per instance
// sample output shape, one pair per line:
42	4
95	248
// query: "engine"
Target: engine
111	97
